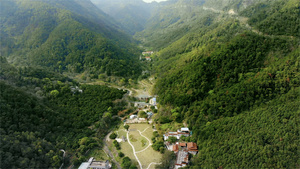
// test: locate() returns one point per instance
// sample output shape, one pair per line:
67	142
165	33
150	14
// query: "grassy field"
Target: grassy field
148	156
140	143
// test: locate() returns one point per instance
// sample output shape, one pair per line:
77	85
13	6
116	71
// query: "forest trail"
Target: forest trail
108	152
244	22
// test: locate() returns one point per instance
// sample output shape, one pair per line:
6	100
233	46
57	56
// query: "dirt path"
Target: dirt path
108	152
244	21
134	153
151	164
146	138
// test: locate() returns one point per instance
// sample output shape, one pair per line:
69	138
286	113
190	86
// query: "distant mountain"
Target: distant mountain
132	14
174	19
71	35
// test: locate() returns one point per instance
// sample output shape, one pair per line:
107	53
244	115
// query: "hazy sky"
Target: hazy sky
154	0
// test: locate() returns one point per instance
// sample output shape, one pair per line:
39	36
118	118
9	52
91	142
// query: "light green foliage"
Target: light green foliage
54	93
142	114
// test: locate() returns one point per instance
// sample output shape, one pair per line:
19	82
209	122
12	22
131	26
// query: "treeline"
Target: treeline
44	112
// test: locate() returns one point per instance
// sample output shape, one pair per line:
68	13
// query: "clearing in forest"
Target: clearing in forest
138	145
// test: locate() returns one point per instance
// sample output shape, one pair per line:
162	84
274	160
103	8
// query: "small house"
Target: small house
133	116
93	164
192	148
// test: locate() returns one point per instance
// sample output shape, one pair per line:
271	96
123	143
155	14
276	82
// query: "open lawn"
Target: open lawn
144	152
127	150
139	142
148	156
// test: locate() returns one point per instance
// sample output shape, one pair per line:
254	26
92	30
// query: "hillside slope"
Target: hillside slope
70	35
225	66
42	115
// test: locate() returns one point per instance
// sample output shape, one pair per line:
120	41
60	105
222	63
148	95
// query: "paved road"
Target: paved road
106	149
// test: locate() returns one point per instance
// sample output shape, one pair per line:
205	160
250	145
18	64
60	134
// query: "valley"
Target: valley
133	85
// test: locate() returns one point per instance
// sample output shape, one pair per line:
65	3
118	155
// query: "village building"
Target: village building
150	114
182	132
182	159
133	116
141	104
148	58
152	101
93	164
192	148
147	53
76	89
182	150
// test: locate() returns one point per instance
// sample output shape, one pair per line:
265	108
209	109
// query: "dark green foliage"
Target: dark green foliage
223	75
133	167
267	137
157	145
113	136
126	162
121	154
162	150
126	127
167	160
172	139
232	81
164	119
116	144
39	128
142	114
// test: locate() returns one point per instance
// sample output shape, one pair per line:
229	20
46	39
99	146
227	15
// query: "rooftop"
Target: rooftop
185	129
192	146
182	157
84	165
182	144
98	164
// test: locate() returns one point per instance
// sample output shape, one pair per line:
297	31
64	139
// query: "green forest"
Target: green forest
36	124
37	33
227	70
236	86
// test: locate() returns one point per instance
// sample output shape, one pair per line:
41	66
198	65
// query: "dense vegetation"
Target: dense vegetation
229	70
50	116
62	37
266	137
277	18
231	83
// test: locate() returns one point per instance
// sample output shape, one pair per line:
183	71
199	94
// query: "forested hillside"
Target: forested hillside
43	112
230	71
71	36
131	14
